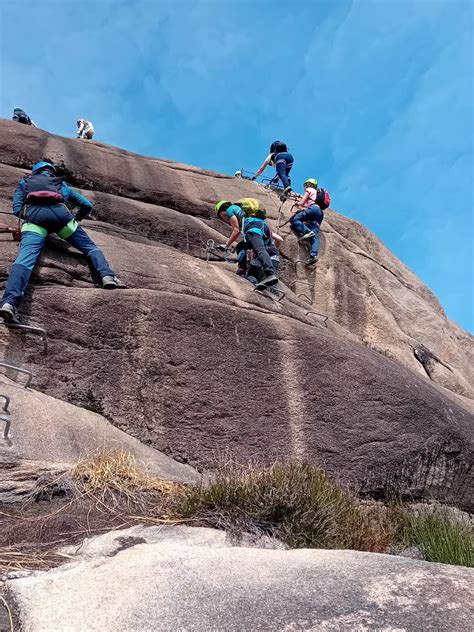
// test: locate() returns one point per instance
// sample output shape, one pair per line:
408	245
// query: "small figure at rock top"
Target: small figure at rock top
85	129
20	116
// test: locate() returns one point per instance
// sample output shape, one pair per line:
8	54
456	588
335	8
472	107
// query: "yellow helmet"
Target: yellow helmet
222	205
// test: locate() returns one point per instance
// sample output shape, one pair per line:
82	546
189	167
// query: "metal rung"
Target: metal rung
15	368
7	402
303	282
8	423
308	298
276	297
319	314
39	331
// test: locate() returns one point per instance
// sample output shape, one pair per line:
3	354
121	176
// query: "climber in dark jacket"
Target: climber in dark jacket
20	116
280	158
43	202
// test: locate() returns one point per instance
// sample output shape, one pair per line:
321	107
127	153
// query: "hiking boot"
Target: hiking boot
312	260
120	284
8	313
272	279
112	283
309	235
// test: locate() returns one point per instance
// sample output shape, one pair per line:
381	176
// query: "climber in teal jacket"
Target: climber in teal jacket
256	233
43	202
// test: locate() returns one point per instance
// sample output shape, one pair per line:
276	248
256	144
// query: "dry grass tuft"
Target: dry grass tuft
107	490
18	559
109	472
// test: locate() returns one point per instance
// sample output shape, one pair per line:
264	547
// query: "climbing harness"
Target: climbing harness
6	417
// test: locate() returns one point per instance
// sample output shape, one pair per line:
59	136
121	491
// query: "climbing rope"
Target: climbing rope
280	213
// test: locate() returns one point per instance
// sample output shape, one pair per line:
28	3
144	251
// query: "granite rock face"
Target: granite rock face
191	361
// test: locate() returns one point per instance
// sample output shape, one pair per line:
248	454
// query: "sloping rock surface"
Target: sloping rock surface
182	578
191	361
359	283
49	436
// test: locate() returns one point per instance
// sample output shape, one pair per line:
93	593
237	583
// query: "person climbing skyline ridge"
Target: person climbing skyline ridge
280	158
43	201
20	116
85	129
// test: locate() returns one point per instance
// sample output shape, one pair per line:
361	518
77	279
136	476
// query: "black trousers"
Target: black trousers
255	242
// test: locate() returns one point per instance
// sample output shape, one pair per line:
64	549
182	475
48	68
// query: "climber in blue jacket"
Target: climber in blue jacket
43	201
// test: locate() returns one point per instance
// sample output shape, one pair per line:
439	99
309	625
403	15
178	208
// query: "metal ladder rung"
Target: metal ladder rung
8	423
7	402
16	368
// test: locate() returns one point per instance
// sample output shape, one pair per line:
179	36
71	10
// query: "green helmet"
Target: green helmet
312	181
222	205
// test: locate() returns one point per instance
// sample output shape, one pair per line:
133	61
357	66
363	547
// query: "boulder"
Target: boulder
185	578
49	436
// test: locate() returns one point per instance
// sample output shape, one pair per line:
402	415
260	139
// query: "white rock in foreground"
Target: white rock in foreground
183	578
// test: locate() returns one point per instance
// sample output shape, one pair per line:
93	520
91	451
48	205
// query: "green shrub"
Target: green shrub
438	534
296	502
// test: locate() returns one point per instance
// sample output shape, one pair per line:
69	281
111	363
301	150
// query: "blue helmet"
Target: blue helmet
43	165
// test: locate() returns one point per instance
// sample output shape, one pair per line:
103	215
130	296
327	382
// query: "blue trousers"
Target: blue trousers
53	219
283	164
308	220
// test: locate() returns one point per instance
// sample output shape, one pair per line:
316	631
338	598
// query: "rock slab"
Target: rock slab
183	578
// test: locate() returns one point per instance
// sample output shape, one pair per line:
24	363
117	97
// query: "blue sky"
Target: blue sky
373	97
